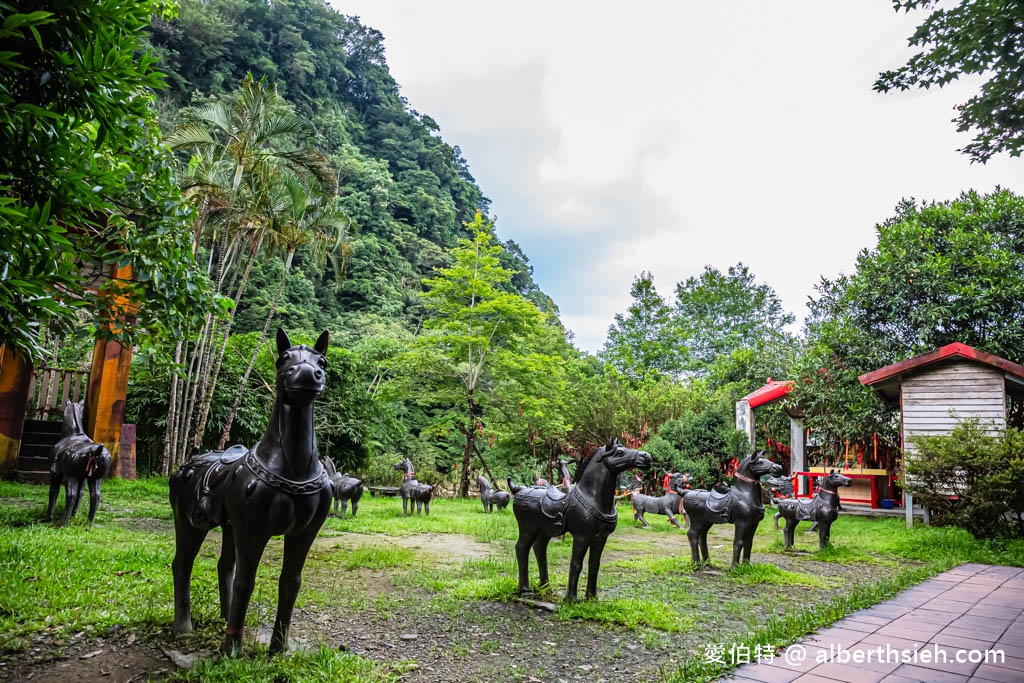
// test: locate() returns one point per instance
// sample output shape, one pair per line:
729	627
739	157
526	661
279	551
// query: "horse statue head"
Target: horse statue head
405	465
301	371
482	483
756	466
834	480
615	458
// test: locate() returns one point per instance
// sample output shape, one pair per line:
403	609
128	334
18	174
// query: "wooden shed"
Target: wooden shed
938	390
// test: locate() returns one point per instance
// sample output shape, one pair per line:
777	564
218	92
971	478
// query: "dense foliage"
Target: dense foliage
941	272
963	39
972	478
84	181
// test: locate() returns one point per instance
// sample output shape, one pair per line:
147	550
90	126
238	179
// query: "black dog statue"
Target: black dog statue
490	497
344	488
823	509
420	494
669	504
587	512
278	487
74	460
740	506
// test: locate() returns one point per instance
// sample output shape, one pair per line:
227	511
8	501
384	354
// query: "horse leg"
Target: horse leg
405	502
523	560
344	508
426	507
593	565
55	481
693	535
580	544
355	506
706	558
71	492
748	541
296	547
247	559
335	507
226	569
94	496
672	518
737	543
640	516
776	518
187	541
789	532
540	551
823	533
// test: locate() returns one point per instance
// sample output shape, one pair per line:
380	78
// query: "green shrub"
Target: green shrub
972	478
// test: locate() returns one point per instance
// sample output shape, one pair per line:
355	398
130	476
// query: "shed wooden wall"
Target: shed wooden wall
937	399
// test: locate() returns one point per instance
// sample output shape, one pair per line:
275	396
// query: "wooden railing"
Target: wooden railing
49	388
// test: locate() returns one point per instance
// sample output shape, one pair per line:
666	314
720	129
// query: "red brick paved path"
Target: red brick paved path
972	607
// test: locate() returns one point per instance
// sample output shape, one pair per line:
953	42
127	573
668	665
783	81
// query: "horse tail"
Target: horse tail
776	518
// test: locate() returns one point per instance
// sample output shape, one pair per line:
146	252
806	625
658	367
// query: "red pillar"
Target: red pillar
108	388
15	374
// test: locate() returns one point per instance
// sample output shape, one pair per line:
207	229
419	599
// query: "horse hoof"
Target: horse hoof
231	647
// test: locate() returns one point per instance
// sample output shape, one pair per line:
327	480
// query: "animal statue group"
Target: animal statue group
344	488
491	497
74	460
741	506
587	512
668	504
278	487
419	494
822	509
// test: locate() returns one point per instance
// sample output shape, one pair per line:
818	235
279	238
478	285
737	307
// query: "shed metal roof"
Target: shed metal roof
886	381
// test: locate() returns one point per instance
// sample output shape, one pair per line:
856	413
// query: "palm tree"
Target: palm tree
304	221
242	148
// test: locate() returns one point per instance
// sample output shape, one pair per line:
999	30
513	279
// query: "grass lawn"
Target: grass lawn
431	598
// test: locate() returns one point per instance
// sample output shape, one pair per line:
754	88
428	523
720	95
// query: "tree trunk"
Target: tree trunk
226	434
172	406
467	457
204	412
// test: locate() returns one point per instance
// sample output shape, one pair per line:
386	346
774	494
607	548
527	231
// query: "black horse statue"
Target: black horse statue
344	488
278	487
822	509
490	497
74	460
420	494
669	504
587	512
740	506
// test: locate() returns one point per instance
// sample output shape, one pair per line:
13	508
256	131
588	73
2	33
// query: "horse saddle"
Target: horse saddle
207	489
548	500
804	509
718	503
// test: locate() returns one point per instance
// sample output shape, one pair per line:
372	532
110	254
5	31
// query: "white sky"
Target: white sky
614	138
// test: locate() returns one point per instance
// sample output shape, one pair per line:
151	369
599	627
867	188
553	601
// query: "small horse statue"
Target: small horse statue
669	504
344	488
412	489
490	497
587	512
73	460
822	509
740	506
278	487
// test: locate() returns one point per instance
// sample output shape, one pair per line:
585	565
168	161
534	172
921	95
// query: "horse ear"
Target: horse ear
611	443
321	344
283	343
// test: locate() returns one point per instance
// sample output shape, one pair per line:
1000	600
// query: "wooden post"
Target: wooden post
15	374
108	386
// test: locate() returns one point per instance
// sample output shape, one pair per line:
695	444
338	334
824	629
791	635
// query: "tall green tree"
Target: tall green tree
84	180
972	37
245	148
477	339
941	272
718	313
643	343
